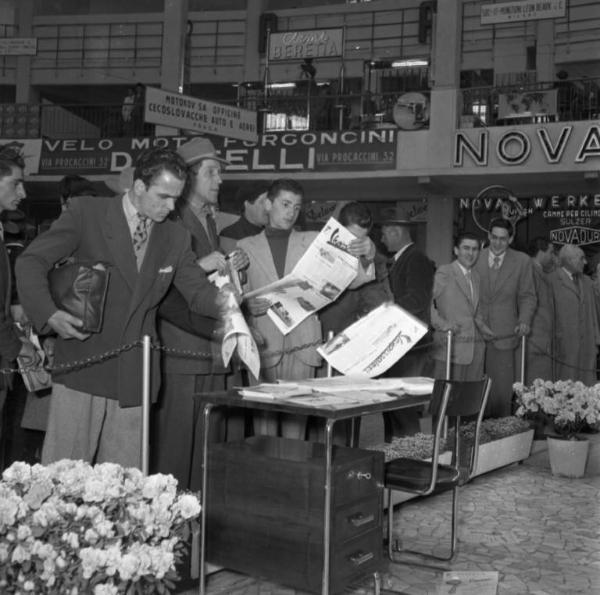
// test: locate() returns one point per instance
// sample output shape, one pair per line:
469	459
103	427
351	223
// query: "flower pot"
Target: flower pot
502	452
568	457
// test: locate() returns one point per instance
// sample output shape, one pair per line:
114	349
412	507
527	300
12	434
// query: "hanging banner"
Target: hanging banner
193	114
298	45
273	153
522	10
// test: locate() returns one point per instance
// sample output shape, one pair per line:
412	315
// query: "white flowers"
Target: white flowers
73	528
568	404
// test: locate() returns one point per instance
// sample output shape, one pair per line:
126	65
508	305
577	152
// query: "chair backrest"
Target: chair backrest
458	399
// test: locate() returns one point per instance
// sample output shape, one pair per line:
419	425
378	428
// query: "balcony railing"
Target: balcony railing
325	110
567	100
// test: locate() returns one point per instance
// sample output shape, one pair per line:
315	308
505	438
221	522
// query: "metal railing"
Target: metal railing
568	100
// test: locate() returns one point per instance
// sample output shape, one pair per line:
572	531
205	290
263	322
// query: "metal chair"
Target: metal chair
454	399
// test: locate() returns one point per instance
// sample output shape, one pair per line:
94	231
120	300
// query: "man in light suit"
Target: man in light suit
577	333
508	302
95	411
455	308
273	253
172	420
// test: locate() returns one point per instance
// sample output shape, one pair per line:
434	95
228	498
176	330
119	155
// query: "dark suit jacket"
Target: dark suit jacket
411	282
10	345
172	335
93	229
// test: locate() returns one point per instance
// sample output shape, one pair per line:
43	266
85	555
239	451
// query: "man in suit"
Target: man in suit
539	361
411	281
172	421
455	308
95	412
273	253
577	332
508	302
12	192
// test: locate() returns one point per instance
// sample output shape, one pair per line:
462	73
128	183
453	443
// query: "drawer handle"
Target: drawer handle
359	519
361	557
358	475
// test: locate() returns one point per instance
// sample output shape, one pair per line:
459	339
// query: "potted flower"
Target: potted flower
570	407
70	528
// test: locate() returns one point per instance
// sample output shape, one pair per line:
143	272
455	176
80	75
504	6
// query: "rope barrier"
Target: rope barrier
189	354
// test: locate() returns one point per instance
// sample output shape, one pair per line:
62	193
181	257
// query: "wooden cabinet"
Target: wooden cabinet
265	511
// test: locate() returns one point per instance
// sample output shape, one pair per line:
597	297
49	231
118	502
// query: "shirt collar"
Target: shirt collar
492	256
569	273
401	251
463	269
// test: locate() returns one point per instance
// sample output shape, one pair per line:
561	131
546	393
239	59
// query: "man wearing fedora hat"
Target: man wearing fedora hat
411	281
173	431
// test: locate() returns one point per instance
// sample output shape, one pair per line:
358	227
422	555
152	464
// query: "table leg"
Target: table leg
205	428
327	520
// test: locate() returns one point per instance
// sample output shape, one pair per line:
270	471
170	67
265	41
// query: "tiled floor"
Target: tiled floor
539	532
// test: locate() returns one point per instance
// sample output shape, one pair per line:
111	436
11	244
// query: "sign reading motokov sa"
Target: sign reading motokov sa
204	117
345	150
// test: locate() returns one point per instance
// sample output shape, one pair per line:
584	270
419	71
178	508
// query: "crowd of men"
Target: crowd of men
160	241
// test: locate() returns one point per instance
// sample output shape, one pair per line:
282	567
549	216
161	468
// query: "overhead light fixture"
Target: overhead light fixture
281	85
409	63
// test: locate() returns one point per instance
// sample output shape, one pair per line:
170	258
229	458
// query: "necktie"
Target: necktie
140	234
211	228
470	282
496	264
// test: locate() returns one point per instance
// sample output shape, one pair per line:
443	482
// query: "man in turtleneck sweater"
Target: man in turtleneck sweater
273	253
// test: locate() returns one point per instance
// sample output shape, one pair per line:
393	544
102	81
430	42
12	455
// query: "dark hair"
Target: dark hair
250	193
503	223
465	235
536	245
75	186
283	184
10	156
152	162
356	213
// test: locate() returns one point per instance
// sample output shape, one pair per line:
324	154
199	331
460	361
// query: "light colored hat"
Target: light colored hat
197	149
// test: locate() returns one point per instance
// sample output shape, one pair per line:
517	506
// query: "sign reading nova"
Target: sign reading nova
204	117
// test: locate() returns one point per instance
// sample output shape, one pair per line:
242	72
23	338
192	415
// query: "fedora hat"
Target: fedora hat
197	149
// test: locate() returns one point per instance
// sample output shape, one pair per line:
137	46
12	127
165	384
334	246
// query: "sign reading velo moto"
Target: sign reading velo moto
198	116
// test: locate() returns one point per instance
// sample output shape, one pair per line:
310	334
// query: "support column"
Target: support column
252	63
24	92
172	77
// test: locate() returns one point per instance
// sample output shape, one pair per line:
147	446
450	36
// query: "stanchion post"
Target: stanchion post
145	446
448	373
328	368
523	352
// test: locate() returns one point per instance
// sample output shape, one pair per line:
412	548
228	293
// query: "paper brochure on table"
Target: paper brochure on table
319	277
375	342
237	335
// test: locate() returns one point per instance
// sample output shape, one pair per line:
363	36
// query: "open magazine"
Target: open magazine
375	342
319	277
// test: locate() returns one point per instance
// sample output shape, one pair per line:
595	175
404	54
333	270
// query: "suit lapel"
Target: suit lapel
461	280
568	283
294	252
265	258
118	239
201	244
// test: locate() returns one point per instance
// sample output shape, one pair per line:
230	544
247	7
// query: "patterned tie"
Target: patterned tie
496	264
140	234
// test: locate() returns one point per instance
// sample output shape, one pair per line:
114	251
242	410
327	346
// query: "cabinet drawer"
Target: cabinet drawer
356	558
358	518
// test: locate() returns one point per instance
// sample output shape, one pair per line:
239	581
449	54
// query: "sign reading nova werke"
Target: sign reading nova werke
297	45
204	117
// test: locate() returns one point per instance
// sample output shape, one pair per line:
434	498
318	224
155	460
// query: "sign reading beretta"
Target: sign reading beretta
192	114
297	45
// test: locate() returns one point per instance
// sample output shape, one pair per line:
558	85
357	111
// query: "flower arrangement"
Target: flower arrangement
569	405
417	446
69	528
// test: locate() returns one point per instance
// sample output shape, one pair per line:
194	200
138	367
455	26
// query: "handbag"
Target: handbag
34	374
80	289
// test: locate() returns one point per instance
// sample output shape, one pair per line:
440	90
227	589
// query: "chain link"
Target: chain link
189	354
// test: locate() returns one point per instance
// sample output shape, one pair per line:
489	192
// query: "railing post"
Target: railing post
145	446
523	353
448	374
